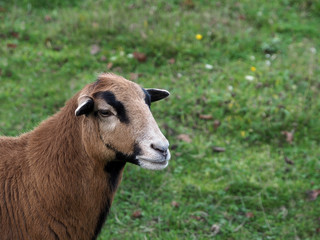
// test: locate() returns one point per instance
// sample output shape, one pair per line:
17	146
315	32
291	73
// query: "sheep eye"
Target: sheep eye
105	113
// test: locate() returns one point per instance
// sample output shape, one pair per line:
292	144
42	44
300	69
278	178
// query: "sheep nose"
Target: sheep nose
161	149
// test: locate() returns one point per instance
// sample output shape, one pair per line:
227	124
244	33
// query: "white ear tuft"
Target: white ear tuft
85	105
157	94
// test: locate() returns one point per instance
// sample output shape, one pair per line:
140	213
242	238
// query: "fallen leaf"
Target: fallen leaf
134	76
141	57
198	218
103	58
47	18
184	137
14	34
188	4
205	116
171	60
57	48
215	229
249	215
94	49
219	149
175	204
143	35
47	42
11	45
136	214
216	124
313	194
109	65
287	160
288	135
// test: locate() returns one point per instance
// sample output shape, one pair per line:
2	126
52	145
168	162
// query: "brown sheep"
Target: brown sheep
58	181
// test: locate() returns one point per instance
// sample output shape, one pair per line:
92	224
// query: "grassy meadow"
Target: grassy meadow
243	118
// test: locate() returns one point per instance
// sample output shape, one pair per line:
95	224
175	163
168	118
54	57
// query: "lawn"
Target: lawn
243	118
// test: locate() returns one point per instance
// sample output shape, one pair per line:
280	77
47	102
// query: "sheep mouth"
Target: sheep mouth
153	164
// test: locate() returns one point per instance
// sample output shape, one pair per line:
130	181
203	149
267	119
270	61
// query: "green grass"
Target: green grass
249	191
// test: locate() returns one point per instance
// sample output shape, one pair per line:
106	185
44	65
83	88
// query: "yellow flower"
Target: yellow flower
199	36
253	69
243	133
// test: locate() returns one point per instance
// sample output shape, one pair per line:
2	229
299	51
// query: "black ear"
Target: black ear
157	94
85	106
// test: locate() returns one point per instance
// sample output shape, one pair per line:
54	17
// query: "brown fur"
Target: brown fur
53	181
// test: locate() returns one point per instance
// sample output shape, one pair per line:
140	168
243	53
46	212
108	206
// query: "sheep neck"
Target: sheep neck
67	179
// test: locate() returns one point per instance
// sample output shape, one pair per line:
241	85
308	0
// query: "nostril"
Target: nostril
162	150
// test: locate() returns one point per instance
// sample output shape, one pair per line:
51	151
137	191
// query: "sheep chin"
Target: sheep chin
152	164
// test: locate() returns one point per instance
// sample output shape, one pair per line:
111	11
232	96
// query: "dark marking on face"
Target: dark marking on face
147	97
122	157
110	98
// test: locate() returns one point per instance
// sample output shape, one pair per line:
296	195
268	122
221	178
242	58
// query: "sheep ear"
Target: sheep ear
157	94
85	105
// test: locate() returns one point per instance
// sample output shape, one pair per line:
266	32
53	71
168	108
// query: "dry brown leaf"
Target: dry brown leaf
103	58
143	35
216	124
219	149
94	49
287	160
205	116
171	60
188	4
11	45
198	218
184	137
175	204
109	65
249	215
14	34
47	18
313	194
134	76
136	214
141	57
289	136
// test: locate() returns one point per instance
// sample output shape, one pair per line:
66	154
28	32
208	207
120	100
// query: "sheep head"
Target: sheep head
117	123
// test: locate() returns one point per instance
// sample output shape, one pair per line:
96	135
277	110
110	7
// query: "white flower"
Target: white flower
230	88
249	78
267	55
113	58
130	55
252	58
268	63
208	66
121	53
313	50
